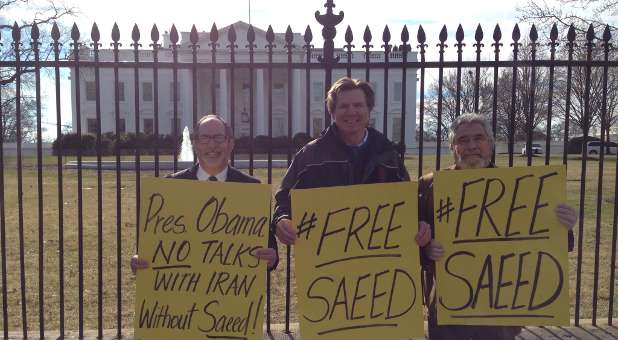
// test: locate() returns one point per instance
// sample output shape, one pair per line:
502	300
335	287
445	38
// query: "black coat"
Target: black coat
233	175
327	161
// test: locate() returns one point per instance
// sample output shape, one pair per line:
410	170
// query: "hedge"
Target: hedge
68	144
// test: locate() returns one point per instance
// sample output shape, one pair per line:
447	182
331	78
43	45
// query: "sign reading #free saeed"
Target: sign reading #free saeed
505	260
357	262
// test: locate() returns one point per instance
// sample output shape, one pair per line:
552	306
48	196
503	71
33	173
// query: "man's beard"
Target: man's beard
471	163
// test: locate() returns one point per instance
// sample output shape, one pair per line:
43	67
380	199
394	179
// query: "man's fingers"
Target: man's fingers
424	234
262	252
566	215
422	238
267	254
137	263
286	234
436	253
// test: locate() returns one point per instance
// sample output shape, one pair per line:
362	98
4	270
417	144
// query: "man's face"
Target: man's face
212	146
351	115
471	147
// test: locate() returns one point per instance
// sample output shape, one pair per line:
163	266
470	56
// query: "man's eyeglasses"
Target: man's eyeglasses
204	139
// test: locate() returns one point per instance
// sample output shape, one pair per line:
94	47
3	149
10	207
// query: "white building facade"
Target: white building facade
239	90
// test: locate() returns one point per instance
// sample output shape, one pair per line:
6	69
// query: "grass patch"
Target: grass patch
127	228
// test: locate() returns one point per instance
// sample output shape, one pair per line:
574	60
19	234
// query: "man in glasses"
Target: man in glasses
213	143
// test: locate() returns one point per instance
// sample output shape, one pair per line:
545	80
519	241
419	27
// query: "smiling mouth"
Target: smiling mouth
351	120
212	154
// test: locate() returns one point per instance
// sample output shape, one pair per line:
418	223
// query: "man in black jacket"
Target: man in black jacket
348	152
471	142
213	144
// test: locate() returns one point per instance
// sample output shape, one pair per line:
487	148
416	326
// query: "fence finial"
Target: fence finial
95	35
135	34
55	32
75	32
115	33
174	35
553	35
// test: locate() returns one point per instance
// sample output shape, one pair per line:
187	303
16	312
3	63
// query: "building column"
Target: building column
223	107
260	113
298	121
410	139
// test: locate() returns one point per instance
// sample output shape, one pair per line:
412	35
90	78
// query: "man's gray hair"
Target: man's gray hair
229	132
470	118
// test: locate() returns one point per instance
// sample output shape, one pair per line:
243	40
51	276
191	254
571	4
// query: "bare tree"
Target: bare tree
467	98
579	13
526	91
44	15
530	104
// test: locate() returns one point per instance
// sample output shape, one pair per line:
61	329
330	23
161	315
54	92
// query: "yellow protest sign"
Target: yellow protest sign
505	260
357	262
203	280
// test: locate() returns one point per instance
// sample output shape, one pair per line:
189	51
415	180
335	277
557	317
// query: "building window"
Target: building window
317	91
91	91
122	126
148	126
92	125
317	127
396	132
172	97
147	91
397	91
178	127
120	91
279	126
244	115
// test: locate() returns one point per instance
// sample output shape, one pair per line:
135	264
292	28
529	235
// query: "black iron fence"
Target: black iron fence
542	92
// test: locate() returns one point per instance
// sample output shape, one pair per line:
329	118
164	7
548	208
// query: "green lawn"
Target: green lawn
127	228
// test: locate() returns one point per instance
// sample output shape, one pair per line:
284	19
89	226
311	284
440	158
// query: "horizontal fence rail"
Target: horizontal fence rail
271	87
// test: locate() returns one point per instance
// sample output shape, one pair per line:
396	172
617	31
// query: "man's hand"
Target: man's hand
434	250
285	231
137	264
424	234
567	215
267	254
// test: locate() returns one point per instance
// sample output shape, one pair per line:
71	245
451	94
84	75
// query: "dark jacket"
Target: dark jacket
327	161
233	175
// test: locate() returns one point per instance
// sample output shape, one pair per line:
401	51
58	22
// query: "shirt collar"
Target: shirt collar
363	141
203	175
